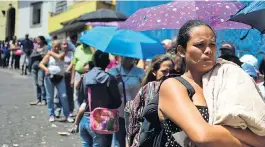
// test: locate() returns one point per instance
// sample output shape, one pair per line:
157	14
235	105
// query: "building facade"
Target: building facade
64	11
33	18
8	19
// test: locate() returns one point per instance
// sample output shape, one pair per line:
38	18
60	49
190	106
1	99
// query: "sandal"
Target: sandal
36	103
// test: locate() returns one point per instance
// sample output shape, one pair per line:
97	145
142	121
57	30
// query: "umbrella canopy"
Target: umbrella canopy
252	15
97	35
102	15
125	43
105	24
173	15
70	27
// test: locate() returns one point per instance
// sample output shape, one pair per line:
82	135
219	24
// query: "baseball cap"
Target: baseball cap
250	69
250	59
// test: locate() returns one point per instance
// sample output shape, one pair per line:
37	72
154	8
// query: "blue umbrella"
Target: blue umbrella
97	35
125	43
253	15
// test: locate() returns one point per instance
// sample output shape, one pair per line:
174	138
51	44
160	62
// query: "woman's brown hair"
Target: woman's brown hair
156	62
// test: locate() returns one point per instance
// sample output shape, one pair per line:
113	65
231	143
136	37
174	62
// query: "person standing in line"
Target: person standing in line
54	71
12	49
100	97
1	46
82	55
5	55
38	73
27	50
228	49
17	54
72	43
197	43
130	78
67	76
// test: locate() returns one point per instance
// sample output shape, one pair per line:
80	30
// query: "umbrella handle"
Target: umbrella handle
245	36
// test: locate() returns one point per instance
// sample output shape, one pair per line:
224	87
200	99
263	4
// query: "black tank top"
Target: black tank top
171	128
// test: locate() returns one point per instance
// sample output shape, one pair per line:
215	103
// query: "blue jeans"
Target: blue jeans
62	95
119	137
38	76
77	79
90	138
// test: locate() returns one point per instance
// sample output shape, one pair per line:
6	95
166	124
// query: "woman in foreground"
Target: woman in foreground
178	111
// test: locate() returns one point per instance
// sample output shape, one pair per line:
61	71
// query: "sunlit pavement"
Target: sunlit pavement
24	125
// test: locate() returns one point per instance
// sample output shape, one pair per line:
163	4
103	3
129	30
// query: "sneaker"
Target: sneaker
70	119
43	103
35	103
51	119
71	114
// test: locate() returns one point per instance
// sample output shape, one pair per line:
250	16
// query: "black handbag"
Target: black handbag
55	79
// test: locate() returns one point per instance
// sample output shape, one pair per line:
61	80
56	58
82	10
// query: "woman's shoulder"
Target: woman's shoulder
172	85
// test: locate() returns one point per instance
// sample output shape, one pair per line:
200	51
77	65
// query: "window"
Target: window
61	6
36	9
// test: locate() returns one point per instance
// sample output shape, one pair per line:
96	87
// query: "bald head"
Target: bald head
227	49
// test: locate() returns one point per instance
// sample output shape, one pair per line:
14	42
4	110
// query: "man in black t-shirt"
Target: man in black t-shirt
227	49
27	49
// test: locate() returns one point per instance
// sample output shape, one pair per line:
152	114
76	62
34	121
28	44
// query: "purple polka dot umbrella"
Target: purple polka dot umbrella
174	14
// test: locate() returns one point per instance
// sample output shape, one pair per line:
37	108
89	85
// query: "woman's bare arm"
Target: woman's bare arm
57	56
141	64
73	76
69	68
248	137
43	62
175	104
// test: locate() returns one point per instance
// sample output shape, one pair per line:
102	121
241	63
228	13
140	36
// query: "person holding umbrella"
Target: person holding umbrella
130	78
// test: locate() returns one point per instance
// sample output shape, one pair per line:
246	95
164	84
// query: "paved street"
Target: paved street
24	125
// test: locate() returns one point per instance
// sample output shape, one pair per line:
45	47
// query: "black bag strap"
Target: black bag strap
112	98
190	89
123	86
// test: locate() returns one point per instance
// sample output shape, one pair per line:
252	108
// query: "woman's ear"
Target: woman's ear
181	51
154	73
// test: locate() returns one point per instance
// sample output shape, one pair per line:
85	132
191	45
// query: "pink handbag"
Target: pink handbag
103	120
18	52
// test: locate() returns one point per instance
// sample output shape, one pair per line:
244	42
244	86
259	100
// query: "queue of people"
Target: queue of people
119	100
11	52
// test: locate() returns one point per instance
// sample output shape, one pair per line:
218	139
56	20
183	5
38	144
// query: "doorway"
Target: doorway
11	22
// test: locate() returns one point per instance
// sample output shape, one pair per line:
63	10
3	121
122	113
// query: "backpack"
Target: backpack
152	134
134	109
103	120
